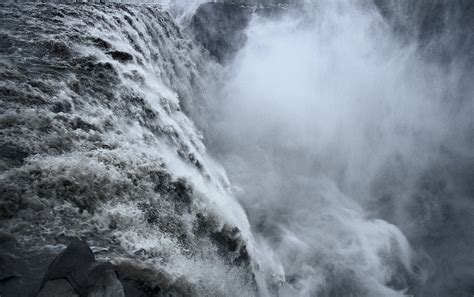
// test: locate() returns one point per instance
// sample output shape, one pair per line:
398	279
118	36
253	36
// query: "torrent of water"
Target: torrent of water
330	155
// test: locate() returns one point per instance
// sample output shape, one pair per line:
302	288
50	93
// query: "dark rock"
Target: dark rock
138	282
74	272
121	56
11	276
57	288
7	240
220	27
73	264
8	269
230	244
20	272
182	191
77	266
105	282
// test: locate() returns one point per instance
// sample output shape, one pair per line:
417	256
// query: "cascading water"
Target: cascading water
95	145
345	130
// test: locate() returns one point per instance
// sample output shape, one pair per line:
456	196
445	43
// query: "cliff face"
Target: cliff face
220	27
95	145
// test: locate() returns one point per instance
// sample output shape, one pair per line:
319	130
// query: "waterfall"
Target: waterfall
237	148
95	144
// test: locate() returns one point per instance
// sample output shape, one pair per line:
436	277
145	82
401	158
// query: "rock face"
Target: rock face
220	26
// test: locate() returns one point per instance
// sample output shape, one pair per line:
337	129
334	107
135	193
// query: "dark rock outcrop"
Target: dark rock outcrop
20	271
73	272
76	272
57	288
220	27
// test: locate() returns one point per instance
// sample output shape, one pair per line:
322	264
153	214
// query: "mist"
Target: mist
349	143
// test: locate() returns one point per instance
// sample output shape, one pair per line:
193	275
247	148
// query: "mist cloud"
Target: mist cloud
328	122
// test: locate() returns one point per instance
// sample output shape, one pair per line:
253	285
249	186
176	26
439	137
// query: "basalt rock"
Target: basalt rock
75	272
220	27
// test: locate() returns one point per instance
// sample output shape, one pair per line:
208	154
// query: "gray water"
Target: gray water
332	156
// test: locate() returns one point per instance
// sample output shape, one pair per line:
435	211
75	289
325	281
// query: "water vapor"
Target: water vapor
343	139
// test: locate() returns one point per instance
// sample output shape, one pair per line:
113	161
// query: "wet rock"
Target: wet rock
220	27
17	269
75	271
138	282
121	56
105	282
7	240
57	288
230	244
72	264
8	269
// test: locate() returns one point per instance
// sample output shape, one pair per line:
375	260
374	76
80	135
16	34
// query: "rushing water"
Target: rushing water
332	156
95	143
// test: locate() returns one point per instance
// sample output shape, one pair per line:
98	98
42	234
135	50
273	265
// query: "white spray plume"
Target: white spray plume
315	111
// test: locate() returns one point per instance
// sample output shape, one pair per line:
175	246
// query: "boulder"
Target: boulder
76	270
105	282
20	270
72	264
57	288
